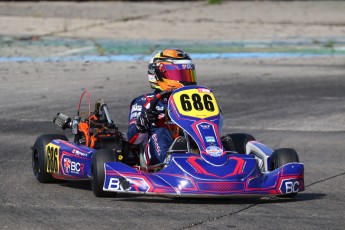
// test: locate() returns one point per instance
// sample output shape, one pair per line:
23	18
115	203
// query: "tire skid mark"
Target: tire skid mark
324	180
251	206
218	217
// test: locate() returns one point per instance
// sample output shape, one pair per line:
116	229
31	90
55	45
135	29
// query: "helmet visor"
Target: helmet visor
184	73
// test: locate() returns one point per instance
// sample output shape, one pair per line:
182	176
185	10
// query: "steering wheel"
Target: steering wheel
156	99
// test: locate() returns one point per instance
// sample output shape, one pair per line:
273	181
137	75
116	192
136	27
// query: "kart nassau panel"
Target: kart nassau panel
66	160
195	109
189	175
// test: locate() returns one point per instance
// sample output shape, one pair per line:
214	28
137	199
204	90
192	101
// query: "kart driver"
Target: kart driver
167	70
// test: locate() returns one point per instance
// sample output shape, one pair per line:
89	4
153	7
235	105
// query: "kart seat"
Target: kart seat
178	146
228	144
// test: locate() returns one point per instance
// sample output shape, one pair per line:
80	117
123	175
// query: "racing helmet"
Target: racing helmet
171	69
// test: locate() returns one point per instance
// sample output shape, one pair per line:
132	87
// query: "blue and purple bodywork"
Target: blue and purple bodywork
69	161
210	173
213	172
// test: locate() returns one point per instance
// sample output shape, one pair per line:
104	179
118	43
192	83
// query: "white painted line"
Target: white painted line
34	120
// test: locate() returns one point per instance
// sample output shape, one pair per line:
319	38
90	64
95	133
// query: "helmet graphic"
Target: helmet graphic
171	69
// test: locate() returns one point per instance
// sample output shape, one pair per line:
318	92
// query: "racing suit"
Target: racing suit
157	139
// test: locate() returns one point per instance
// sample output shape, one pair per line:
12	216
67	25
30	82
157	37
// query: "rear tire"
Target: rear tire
281	157
98	173
238	141
39	157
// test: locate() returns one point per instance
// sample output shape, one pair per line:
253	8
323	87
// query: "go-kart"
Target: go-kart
199	163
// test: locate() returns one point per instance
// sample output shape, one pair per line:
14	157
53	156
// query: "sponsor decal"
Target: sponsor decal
114	184
52	152
205	126
125	184
67	164
79	153
119	184
210	139
214	151
155	142
72	167
202	90
136	107
187	66
135	115
160	108
289	186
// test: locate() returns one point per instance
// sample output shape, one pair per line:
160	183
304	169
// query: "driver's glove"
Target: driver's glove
145	120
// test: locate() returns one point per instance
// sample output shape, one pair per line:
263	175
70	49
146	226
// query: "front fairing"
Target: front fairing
195	110
188	175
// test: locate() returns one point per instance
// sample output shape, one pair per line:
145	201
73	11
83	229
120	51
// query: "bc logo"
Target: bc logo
289	186
114	184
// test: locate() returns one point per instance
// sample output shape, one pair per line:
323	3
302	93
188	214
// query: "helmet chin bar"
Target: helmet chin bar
169	85
187	83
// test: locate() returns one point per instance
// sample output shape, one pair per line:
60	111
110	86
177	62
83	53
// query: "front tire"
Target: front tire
98	173
39	157
281	157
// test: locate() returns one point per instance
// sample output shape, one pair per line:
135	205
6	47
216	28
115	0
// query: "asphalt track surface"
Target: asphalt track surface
294	103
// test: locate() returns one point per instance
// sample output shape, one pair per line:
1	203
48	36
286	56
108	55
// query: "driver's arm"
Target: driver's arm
134	134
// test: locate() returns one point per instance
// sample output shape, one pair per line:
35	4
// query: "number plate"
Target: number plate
52	152
198	103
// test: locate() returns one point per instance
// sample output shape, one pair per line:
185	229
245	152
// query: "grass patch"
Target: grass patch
214	1
329	44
